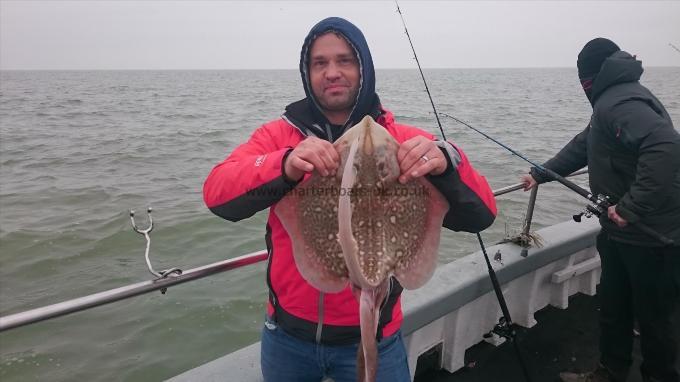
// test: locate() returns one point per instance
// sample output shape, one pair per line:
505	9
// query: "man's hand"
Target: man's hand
529	182
615	217
420	156
309	155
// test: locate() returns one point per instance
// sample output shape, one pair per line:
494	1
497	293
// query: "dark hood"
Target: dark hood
618	68
367	101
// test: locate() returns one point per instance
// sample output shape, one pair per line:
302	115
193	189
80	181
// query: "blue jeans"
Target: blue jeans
285	358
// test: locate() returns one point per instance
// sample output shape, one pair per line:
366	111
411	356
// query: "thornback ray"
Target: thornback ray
361	226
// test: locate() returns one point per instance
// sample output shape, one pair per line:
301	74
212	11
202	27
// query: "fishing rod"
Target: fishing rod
674	47
504	328
600	202
415	56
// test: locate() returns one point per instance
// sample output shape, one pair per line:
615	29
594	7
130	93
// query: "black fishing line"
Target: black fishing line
415	56
497	142
504	327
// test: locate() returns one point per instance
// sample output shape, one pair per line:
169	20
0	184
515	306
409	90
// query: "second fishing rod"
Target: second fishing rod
600	203
505	327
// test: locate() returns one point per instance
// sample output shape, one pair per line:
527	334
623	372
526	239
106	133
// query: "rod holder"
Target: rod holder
145	232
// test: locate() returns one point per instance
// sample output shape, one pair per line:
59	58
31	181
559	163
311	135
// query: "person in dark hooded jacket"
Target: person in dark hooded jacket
310	335
633	155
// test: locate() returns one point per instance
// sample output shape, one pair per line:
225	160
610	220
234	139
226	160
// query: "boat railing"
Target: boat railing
173	277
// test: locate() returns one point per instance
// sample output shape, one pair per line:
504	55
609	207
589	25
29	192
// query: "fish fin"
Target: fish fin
415	271
317	253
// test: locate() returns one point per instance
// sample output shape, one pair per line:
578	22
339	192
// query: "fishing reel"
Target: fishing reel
502	329
598	207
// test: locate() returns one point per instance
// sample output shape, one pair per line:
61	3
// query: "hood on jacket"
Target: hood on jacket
367	101
618	68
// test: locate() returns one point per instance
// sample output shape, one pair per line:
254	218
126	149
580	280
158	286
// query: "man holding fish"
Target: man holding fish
329	250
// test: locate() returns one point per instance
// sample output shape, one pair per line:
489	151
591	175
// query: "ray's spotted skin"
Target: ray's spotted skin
362	226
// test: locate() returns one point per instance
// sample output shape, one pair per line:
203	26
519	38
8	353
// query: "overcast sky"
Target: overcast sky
268	34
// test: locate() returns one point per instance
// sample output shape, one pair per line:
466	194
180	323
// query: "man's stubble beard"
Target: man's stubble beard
346	104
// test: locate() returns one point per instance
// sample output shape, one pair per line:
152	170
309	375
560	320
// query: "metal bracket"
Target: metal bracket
145	232
527	239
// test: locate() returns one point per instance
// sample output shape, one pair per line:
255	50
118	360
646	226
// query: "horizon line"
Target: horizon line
287	69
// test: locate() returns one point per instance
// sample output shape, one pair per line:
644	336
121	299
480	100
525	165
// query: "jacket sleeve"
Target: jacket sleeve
572	157
472	206
250	179
471	200
643	131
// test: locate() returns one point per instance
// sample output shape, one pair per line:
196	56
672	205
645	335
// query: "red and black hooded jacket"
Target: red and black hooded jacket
251	179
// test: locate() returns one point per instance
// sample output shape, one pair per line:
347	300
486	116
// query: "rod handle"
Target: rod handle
653	233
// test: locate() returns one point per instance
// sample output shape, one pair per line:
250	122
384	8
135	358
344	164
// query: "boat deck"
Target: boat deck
563	340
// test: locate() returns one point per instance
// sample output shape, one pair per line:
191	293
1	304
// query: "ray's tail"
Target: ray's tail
369	313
